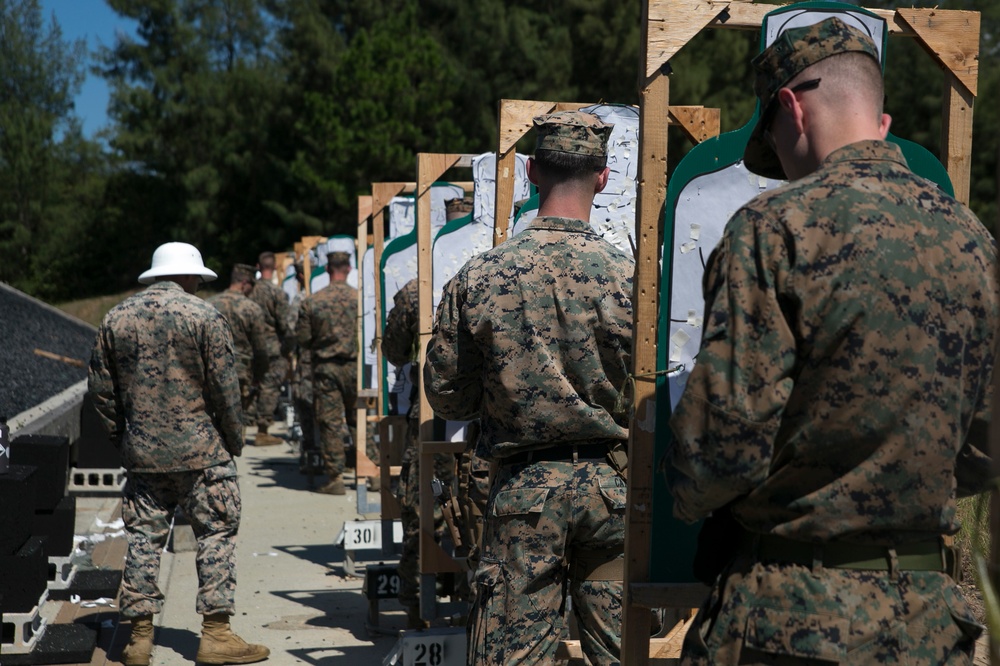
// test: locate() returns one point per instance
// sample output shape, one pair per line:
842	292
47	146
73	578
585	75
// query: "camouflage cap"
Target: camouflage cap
338	258
458	205
244	273
573	132
793	51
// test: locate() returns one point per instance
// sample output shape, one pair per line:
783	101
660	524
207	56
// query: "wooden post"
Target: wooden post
651	190
699	123
949	36
433	559
382	194
361	406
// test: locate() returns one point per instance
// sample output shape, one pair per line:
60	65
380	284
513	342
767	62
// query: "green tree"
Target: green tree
41	72
193	99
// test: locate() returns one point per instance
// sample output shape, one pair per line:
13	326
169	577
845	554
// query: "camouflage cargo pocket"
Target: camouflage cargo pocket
962	615
797	634
519	502
488	615
613	492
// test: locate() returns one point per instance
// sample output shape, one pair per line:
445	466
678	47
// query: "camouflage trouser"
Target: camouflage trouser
210	499
304	405
791	614
541	517
245	396
270	390
408	494
335	394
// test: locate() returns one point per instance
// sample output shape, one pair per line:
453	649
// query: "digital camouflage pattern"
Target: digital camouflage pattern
163	378
573	132
791	614
302	383
459	206
327	328
274	303
251	338
328	323
537	516
843	386
210	498
844	373
792	52
534	337
399	346
335	387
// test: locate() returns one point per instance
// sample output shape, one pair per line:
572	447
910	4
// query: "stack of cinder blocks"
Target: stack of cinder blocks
37	523
23	563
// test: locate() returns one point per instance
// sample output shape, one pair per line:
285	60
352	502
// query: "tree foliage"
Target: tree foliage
242	125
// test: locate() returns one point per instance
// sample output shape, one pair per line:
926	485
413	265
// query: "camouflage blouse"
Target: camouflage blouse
163	377
253	340
328	324
535	337
843	385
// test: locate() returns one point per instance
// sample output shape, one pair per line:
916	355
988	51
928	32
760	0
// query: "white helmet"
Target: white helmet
177	259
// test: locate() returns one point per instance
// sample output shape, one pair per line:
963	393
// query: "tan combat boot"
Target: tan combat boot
219	645
334	487
140	644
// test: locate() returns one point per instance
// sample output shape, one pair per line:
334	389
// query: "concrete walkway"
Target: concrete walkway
292	593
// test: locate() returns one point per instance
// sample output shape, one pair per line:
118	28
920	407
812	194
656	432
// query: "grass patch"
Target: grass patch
92	310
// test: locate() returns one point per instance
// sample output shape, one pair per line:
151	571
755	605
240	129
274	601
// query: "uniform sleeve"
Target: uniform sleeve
397	338
303	327
101	386
222	383
725	423
973	466
453	374
260	346
281	316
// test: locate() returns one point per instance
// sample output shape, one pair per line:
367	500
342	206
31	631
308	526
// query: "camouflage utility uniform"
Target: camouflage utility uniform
399	346
534	337
253	341
163	377
274	303
328	329
302	379
841	398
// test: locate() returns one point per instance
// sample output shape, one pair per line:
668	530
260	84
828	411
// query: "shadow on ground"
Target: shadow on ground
183	642
347	610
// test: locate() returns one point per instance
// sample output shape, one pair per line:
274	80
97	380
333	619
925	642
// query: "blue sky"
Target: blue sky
97	23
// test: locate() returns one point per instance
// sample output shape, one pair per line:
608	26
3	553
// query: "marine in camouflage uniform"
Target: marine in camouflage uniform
274	302
163	377
534	337
328	329
253	341
399	346
302	393
841	396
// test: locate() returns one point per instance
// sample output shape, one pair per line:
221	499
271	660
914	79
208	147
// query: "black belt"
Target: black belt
929	555
563	453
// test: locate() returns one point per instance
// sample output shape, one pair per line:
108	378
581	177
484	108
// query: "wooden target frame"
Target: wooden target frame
951	37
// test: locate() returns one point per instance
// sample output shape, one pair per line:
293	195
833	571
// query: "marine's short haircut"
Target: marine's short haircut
852	72
266	260
563	166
